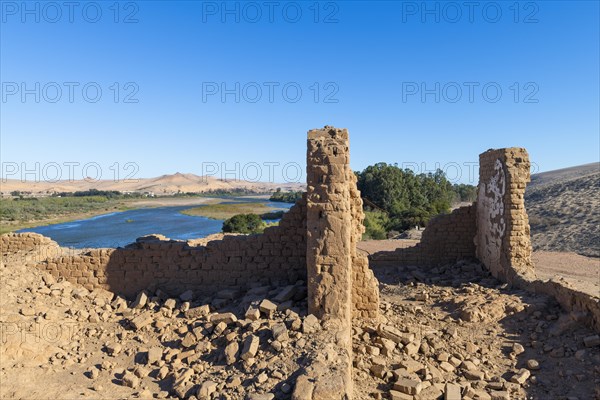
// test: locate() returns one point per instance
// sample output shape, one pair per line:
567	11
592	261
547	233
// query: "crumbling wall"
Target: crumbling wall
15	242
447	239
365	287
503	242
328	258
277	257
32	247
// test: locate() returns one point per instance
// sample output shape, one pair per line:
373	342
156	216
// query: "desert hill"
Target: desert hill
564	210
162	185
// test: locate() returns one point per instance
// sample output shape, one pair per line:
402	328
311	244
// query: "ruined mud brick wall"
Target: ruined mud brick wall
276	257
365	287
31	247
334	227
503	242
329	228
329	225
447	239
11	243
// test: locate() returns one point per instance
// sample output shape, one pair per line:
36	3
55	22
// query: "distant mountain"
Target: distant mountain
564	210
162	185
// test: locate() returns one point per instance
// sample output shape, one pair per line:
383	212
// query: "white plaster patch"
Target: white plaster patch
491	220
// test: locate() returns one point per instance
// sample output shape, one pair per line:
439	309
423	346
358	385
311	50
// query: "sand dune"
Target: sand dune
162	185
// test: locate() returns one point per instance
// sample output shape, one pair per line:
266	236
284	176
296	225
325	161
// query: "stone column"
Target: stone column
329	225
503	238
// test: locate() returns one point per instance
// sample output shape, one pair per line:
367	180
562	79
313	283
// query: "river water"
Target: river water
121	228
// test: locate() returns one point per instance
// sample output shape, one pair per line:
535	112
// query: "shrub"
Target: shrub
244	223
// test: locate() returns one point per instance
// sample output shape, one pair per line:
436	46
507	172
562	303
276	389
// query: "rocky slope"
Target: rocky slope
564	210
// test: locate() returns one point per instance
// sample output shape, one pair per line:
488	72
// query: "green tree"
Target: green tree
407	198
244	223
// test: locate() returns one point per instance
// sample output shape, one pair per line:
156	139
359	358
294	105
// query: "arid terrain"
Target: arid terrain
564	210
453	332
452	328
162	185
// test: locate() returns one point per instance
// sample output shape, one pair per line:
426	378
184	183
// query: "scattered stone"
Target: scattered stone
231	352
154	355
517	348
591	341
252	313
113	349
474	375
408	386
170	304
393	334
189	340
310	324
268	308
452	392
206	389
140	301
142	320
521	377
250	347
130	380
198	312
227	318
500	395
533	365
280	332
93	373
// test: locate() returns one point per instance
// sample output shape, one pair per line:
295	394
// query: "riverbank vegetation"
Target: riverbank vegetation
286	197
18	213
227	210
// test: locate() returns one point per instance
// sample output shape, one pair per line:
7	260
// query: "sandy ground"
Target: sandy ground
584	270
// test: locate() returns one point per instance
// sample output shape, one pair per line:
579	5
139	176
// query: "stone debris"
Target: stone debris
142	320
250	347
408	386
423	343
592	341
226	318
268	308
533	365
417	350
140	301
130	380
521	377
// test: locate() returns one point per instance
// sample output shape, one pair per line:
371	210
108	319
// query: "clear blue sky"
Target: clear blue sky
373	58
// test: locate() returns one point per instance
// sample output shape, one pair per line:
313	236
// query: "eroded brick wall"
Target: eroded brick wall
447	239
275	257
503	242
365	287
335	226
16	242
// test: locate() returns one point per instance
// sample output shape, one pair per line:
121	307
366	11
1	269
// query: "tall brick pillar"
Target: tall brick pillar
503	239
329	225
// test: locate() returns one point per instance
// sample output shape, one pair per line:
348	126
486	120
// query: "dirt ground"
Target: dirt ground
584	271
